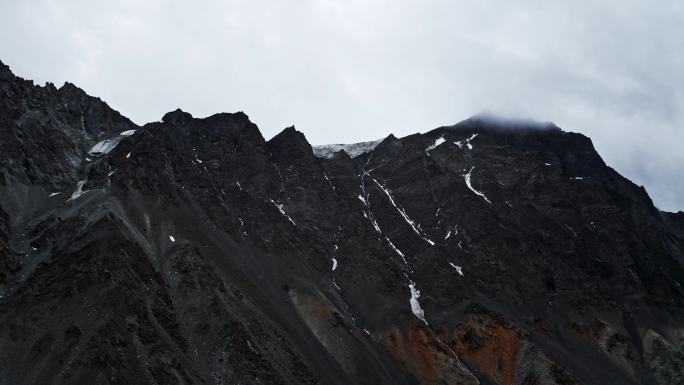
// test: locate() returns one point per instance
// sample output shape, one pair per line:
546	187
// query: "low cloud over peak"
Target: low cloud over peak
346	72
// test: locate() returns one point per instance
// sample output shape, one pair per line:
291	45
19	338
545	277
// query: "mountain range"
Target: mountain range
195	251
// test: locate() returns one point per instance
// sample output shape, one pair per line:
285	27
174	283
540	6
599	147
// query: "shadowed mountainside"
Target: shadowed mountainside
195	251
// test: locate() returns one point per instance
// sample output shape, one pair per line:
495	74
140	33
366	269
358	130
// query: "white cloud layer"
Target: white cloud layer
347	71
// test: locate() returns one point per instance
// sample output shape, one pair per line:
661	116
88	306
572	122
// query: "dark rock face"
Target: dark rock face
194	251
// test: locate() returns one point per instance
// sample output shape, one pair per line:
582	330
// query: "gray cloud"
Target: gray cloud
346	71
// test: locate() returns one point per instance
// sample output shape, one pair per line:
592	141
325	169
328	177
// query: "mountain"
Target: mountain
194	251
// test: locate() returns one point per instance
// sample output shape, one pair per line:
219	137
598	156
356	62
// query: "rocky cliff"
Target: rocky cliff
195	251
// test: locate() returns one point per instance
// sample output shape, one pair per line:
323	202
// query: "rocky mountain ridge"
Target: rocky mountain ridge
195	251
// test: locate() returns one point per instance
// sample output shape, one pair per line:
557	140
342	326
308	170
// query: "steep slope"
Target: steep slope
195	251
45	136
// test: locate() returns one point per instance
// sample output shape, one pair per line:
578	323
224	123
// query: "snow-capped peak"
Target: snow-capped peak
353	149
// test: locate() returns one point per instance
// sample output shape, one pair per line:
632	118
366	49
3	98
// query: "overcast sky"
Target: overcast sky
346	71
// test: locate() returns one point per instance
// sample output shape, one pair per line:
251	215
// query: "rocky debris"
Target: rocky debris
194	251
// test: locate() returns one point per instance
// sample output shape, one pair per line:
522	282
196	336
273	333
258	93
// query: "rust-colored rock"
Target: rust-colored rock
492	344
429	359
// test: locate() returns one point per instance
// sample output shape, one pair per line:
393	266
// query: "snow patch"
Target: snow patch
459	269
104	147
438	141
107	145
279	206
353	149
396	250
403	214
53	194
466	142
172	238
470	186
451	232
242	226
415	305
329	181
79	190
375	225
334	264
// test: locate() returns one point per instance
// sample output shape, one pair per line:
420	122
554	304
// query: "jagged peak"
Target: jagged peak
290	137
5	72
290	145
289	133
342	154
177	117
72	90
69	86
388	140
4	67
291	129
231	116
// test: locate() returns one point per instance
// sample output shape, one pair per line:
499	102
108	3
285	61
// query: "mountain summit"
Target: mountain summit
194	251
